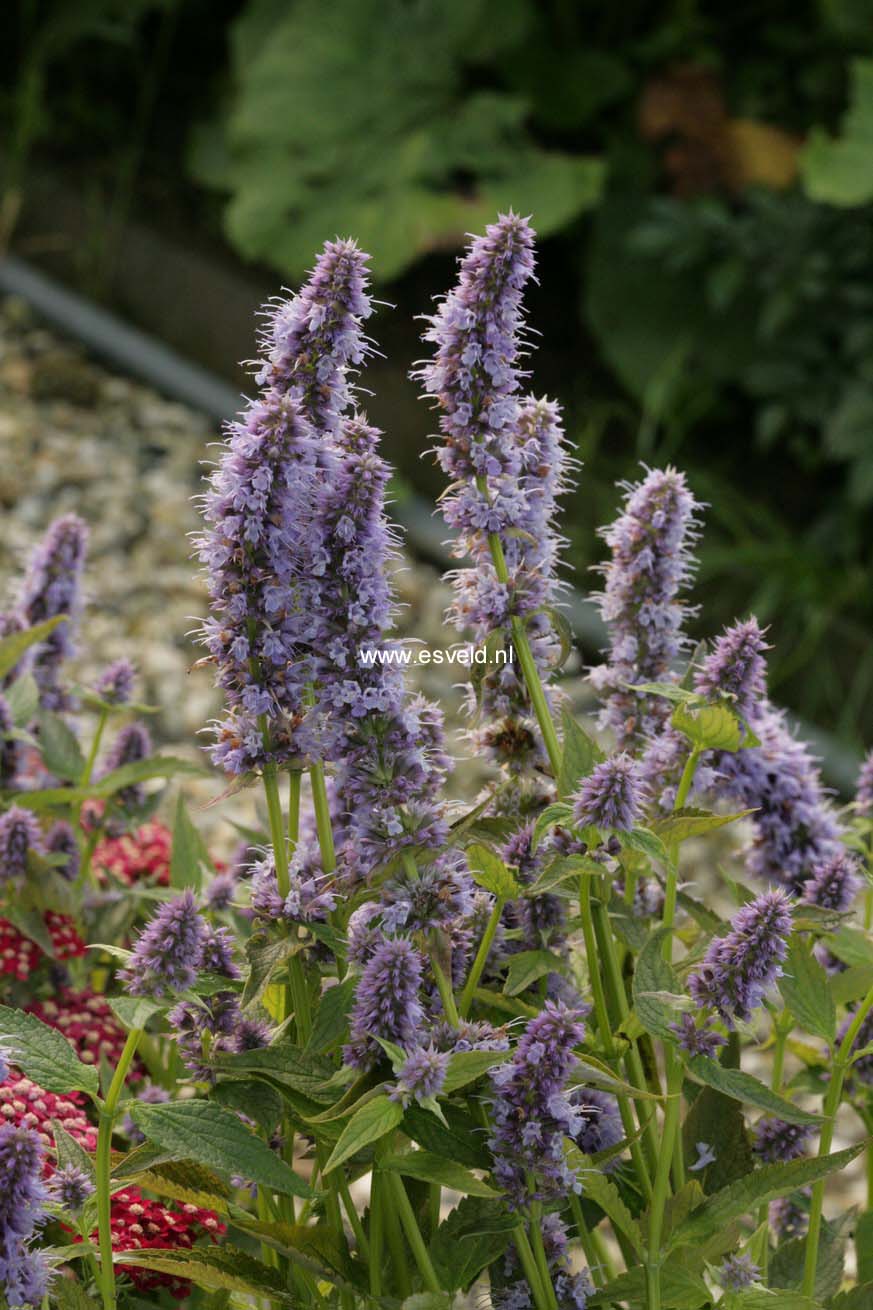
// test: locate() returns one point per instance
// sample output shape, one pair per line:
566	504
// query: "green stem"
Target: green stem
377	1233
295	778
661	1188
88	767
446	994
781	1029
539	1250
596	1265
413	1233
103	1165
841	1063
481	957
296	977
352	1213
530	1267
322	817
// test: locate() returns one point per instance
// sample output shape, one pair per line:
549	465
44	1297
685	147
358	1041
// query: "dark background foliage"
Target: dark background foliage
701	175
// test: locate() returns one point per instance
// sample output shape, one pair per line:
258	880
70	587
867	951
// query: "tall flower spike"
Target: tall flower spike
53	586
8	745
387	1003
611	796
115	684
132	745
736	667
23	1197
20	834
777	1142
864	793
834	883
531	1113
739	967
641	601
169	950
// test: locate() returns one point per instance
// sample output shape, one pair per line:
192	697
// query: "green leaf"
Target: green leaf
718	1120
459	1138
313	1247
204	1131
858	1298
69	1151
158	766
851	984
436	1169
702	914
466	1066
838	170
188	1182
286	1065
864	1247
787	1264
527	967
580	754
331	1018
598	1187
744	1087
23	700
43	1054
645	843
851	945
254	1098
558	814
370	1124
266	956
681	1289
671	691
804	988
134	1011
18	643
682	824
565	868
653	980
69	1294
766	1298
709	727
470	1238
751	1191
189	855
489	871
60	750
218	1268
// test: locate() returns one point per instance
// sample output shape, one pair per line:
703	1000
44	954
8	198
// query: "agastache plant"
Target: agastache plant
580	1039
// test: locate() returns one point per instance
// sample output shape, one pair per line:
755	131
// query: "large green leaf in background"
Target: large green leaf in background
356	118
839	170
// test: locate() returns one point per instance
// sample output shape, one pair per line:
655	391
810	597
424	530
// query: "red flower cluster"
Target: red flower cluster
27	1105
86	1021
19	956
138	856
139	1224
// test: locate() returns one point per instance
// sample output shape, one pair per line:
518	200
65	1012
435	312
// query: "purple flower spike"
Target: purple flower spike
61	840
218	952
739	967
20	833
53	586
611	796
641	601
23	1198
738	1271
387	1003
864	793
421	1076
169	950
8	746
777	1142
132	745
834	883
71	1187
531	1112
115	684
736	667
697	1041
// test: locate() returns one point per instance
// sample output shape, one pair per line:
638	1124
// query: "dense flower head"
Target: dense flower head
834	883
776	1141
20	956
20	834
139	856
738	1271
23	1198
204	1027
469	1035
8	745
663	762
736	667
132	744
531	1112
220	891
641	602
599	1123
140	1224
168	951
421	1076
697	1040
218	952
387	1002
53	586
86	1020
61	840
308	900
864	790
611	796
71	1187
115	684
739	967
27	1105
795	828
789	1215
441	893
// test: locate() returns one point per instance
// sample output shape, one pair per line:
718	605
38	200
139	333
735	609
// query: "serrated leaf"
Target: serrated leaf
369	1124
189	855
489	871
470	1238
557	814
188	1182
256	1099
579	756
858	1298
718	1121
313	1247
134	1011
217	1268
804	988
709	727
44	1054
23	699
766	1298
851	984
436	1169
19	643
645	843
851	945
331	1018
31	924
69	1152
459	1138
747	1089
158	766
60	750
527	967
681	1289
466	1066
688	822
565	868
654	978
69	1294
265	956
598	1187
206	1132
864	1247
763	1184
702	914
286	1065
671	691
788	1260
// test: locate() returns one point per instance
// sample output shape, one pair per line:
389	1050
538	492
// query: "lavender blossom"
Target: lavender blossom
387	1003
650	567
169	950
599	1125
438	895
20	834
217	954
834	883
531	1112
306	902
203	1028
864	791
611	796
23	1198
789	1215
777	1142
421	1076
61	840
115	684
739	967
71	1187
738	1271
697	1040
736	668
132	745
53	586
220	891
8	746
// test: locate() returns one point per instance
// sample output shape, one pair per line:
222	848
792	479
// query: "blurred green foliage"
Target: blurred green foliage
701	175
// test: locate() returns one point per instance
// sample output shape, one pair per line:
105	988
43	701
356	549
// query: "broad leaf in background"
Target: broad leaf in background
839	170
44	1054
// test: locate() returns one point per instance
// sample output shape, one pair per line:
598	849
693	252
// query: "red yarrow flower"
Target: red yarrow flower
141	856
139	1224
27	1105
20	957
88	1024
